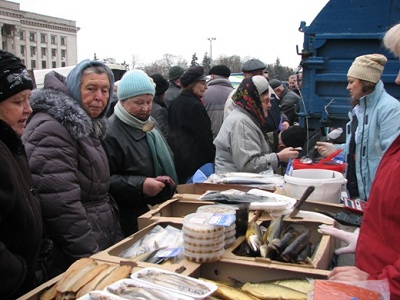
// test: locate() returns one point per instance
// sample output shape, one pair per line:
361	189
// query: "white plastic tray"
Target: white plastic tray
276	201
102	293
168	294
193	292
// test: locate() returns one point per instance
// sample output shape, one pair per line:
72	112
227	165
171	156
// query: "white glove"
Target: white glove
350	238
325	149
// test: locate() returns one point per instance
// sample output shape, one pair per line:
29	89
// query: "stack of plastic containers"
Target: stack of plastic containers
202	242
229	231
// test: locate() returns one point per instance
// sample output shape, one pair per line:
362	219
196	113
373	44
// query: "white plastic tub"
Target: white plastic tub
328	184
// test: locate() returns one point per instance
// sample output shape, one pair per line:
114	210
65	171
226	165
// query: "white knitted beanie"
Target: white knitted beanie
368	67
261	84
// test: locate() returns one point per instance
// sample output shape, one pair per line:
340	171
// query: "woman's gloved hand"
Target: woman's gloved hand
325	149
350	238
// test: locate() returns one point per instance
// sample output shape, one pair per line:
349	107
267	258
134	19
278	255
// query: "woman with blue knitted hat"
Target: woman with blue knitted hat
68	163
141	163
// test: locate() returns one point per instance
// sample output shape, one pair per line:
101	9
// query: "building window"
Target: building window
21	35
43	51
43	38
63	52
63	64
53	40
33	64
22	49
63	41
43	64
23	61
32	37
53	64
33	50
53	52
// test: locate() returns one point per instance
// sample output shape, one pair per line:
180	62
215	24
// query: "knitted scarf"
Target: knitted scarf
162	158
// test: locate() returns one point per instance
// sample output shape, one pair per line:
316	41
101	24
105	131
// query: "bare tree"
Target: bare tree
233	62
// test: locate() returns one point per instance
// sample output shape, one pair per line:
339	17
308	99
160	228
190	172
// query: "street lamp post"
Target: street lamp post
211	39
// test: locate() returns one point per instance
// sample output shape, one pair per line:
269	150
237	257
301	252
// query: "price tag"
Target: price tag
222	219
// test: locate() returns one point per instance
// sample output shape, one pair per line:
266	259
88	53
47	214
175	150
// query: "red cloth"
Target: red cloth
378	248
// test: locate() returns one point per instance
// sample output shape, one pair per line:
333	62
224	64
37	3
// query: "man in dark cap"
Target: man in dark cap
174	89
190	136
219	88
159	110
276	119
289	101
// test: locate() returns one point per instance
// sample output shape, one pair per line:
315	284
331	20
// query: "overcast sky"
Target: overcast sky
147	29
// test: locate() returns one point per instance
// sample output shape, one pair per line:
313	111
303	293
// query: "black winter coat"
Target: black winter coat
20	218
190	136
131	162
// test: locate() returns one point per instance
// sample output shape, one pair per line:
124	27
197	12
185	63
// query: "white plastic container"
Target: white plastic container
328	184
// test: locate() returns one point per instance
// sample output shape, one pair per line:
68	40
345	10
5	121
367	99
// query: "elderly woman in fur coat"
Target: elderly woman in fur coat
68	163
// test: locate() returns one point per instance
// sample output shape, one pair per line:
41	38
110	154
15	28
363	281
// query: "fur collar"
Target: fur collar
64	109
9	137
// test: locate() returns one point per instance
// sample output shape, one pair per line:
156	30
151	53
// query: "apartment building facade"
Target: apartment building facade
42	42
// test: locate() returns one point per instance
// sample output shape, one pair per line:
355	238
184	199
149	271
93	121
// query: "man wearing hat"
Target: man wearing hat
275	118
373	127
219	88
190	136
289	101
174	88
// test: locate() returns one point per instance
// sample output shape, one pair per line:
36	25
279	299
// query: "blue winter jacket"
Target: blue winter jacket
378	125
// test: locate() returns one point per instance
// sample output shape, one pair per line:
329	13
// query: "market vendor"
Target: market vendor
377	245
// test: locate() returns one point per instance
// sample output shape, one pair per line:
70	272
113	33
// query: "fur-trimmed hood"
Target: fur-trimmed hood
67	111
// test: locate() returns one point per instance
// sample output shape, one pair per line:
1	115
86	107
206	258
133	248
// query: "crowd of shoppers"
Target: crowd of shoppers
80	164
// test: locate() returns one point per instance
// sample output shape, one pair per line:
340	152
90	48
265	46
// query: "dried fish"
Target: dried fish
268	290
301	285
175	282
299	243
130	291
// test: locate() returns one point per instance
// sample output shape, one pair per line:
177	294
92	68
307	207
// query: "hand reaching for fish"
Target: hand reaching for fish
350	238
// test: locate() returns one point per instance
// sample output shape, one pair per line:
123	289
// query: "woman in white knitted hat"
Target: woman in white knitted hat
240	143
377	245
373	127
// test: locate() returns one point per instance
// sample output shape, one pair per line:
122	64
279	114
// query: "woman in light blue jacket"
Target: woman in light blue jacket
374	124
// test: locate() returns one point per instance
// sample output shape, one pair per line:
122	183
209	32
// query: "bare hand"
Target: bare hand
285	125
287	153
348	273
152	187
166	180
325	149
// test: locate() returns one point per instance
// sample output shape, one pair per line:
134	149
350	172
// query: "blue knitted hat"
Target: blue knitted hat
134	83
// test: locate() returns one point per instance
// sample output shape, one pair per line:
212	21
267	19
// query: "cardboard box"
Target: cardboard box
201	188
171	210
245	271
111	254
321	257
174	210
37	292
